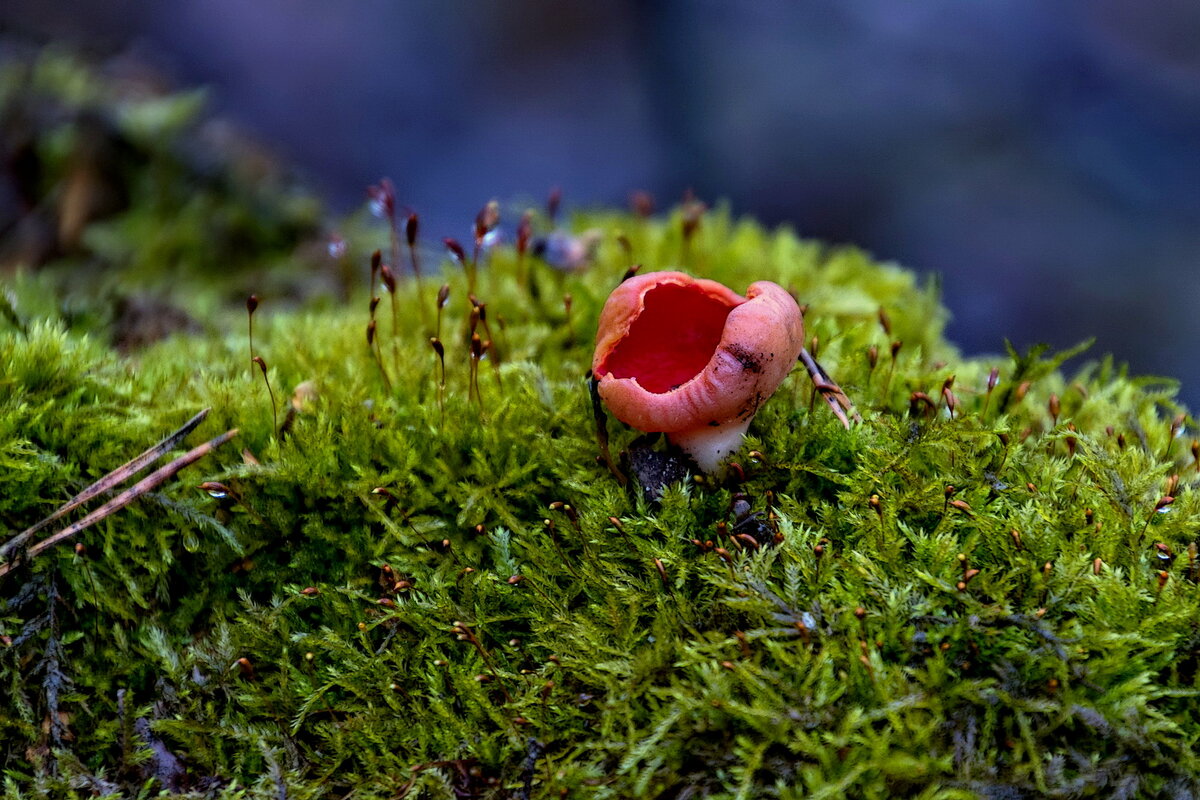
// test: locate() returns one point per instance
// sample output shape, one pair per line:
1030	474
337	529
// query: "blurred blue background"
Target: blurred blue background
1042	158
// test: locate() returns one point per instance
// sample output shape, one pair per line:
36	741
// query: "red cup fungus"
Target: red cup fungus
691	358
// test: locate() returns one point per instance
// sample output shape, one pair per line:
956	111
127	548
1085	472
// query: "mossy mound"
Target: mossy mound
981	594
987	588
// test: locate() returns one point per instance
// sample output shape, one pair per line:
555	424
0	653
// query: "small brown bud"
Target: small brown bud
885	321
456	249
961	505
872	356
410	229
993	378
951	400
1097	566
251	304
747	540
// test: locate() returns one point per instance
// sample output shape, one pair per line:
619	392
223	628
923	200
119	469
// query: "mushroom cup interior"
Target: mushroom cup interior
672	339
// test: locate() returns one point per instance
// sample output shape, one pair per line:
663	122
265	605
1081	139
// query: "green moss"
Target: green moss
504	619
846	660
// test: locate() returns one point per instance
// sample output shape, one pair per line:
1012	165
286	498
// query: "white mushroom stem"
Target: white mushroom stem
710	445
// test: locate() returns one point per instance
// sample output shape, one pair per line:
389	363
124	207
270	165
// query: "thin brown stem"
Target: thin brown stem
262	365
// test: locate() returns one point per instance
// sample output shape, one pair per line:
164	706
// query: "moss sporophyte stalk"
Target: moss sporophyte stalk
423	581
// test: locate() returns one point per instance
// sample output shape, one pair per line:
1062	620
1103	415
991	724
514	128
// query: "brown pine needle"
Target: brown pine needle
147	484
833	394
114	478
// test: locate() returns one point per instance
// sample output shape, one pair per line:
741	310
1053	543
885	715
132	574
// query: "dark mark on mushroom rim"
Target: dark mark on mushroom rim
747	359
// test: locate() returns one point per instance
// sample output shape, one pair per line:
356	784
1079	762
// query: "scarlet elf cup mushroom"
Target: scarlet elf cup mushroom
693	359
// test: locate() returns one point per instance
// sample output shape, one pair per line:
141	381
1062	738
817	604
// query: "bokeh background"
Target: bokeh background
1042	158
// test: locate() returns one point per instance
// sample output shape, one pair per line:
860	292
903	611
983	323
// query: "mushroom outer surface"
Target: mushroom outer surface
676	353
